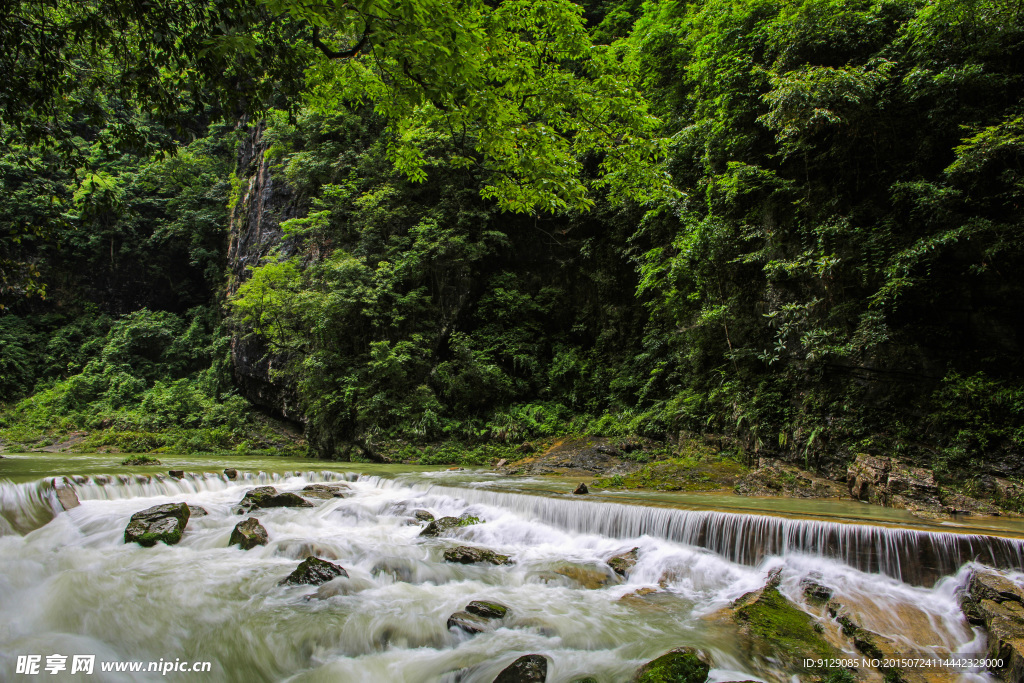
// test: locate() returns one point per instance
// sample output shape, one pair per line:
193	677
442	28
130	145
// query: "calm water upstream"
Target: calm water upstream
69	584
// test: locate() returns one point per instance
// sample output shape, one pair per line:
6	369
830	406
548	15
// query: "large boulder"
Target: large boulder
197	511
268	497
464	554
867	478
992	600
248	534
526	669
889	482
159	523
681	665
313	571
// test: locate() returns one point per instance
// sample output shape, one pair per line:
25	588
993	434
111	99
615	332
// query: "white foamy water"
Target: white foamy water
70	584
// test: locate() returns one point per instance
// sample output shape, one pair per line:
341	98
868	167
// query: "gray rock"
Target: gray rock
526	669
487	609
160	523
993	601
324	491
440	526
67	497
268	497
248	534
313	571
196	511
423	516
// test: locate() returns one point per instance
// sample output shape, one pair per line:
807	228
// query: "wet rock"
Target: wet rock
478	616
589	577
681	665
231	473
526	669
268	497
67	497
248	534
501	463
993	601
581	489
464	554
814	591
196	511
176	474
914	489
313	571
623	562
159	523
773	629
440	526
487	609
874	646
423	516
325	491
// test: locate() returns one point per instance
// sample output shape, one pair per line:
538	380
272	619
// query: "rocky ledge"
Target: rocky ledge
995	602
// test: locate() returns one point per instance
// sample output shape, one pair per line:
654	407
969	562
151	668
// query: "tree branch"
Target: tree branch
341	54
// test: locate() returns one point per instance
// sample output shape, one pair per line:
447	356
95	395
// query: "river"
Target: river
70	585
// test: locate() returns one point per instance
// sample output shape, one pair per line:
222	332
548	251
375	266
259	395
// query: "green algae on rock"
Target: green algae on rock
159	523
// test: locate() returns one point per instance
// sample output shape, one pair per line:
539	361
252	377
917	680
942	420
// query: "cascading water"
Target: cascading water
69	584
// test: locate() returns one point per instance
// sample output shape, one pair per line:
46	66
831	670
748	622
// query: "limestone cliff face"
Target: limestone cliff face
263	202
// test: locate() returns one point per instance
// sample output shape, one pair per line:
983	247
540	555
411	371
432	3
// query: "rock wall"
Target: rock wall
261	204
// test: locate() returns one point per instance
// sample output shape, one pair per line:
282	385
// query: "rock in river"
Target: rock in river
439	526
623	562
464	554
325	491
581	489
526	669
314	571
479	616
249	534
681	665
268	497
160	523
994	601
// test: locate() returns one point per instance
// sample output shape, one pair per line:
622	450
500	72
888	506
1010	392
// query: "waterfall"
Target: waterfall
914	556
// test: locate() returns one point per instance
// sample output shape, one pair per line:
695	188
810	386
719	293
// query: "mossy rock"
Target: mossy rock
487	609
681	665
781	630
248	534
268	497
465	554
623	562
445	524
164	523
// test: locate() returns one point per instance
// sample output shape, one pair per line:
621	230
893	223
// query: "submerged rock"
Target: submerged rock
313	571
581	489
159	523
324	491
464	554
681	665
991	600
623	562
526	669
248	534
440	526
268	497
587	576
814	591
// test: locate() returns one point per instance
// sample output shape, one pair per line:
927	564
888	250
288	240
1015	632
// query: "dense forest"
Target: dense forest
793	225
